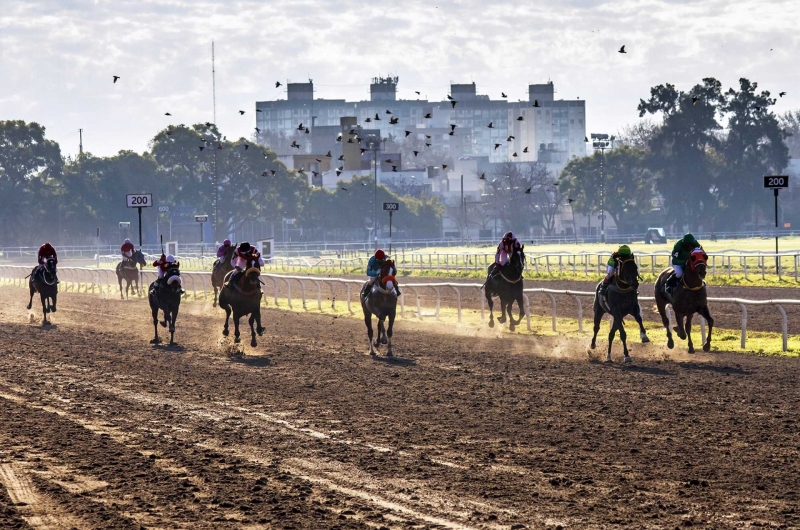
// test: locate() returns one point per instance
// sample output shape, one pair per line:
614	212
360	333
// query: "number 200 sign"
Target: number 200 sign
776	181
144	200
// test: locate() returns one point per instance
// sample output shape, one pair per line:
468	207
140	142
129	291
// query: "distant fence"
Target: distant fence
104	281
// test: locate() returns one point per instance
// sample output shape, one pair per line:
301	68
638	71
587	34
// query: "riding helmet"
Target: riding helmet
226	243
170	258
509	236
244	247
380	254
624	250
689	238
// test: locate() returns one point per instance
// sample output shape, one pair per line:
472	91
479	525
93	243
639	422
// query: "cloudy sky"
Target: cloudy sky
57	57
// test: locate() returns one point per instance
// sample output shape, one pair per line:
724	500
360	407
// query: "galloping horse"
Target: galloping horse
243	299
507	284
381	301
45	282
689	297
220	269
622	299
167	298
126	270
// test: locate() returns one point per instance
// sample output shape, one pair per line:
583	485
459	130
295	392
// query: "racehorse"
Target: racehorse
506	284
220	269
126	270
243	299
688	297
166	297
381	300
622	299
44	281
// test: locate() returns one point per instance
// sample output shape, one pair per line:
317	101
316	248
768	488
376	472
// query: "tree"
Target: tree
790	123
638	135
526	192
680	149
281	143
27	161
753	147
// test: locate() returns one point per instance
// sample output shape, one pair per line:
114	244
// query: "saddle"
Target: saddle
128	263
239	283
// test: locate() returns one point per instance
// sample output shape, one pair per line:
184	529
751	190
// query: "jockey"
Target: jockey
623	252
46	251
222	251
374	267
162	264
245	253
508	245
680	254
127	249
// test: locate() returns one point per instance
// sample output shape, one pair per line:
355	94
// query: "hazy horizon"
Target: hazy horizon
58	57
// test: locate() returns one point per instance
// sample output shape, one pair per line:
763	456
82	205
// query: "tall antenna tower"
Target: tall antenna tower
214	82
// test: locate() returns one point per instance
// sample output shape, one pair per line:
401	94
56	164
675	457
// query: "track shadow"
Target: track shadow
47	327
397	361
652	370
167	348
714	368
256	362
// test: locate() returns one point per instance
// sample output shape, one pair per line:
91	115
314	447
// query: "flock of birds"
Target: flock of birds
393	120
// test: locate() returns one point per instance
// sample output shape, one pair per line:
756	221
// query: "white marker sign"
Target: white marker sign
145	200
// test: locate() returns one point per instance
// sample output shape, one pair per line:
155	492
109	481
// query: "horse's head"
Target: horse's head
172	278
229	253
388	268
698	262
50	265
518	260
138	257
628	272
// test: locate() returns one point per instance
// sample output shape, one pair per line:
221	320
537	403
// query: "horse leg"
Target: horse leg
502	317
611	333
509	308
259	327
491	307
33	291
380	334
215	296
53	302
689	331
121	296
155	340
707	315
236	334
637	314
225	330
389	335
679	328
662	310
368	322
173	318
383	336
598	316
252	320
623	336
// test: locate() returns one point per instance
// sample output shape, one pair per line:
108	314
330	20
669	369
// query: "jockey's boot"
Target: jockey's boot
604	289
672	281
237	272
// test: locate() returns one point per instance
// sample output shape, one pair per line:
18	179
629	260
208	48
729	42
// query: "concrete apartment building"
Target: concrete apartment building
552	131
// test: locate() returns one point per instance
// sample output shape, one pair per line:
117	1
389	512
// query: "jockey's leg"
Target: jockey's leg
673	280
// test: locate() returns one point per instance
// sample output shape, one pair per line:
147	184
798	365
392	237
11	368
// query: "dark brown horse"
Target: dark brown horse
45	282
688	297
167	298
219	270
380	300
243	299
126	270
507	284
622	299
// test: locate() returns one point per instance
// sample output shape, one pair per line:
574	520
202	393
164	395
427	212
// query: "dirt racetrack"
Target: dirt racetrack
98	429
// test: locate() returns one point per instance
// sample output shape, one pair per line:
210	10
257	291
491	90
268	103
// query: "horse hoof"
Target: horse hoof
53	309
628	359
260	331
512	327
225	332
670	344
389	354
29	306
253	343
491	322
608	358
237	340
502	320
593	345
645	339
163	323
691	349
706	347
372	353
384	341
155	341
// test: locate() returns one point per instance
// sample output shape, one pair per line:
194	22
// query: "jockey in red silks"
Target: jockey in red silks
47	251
222	251
162	264
508	245
245	253
127	249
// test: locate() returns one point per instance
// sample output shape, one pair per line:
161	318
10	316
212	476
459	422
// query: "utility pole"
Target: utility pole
463	211
215	196
601	142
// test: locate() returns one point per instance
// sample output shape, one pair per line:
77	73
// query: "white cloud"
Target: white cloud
57	57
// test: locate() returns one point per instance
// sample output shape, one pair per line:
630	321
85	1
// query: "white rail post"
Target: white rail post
527	311
348	299
289	292
319	295
553	308
303	292
744	325
784	327
438	301
458	301
580	312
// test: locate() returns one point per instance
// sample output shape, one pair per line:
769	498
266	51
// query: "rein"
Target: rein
618	280
509	281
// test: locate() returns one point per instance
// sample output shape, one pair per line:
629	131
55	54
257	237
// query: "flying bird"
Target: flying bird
428	136
694	100
363	151
208	124
258	110
535	102
339	138
329	154
503	95
343	189
389	161
241	113
368	120
515	154
781	94
453	103
453	127
318	160
393	120
246	147
388	111
408	133
528	191
427	145
585	138
496	146
201	147
510	138
451	133
295	144
483	176
417	93
377	117
258	130
277	84
300	127
272	171
622	50
449	96
428	115
307	131
525	150
520	119
490	125
394	168
340	158
115	78
167	114
444	166
416	153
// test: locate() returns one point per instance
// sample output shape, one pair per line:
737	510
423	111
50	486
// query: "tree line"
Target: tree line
698	162
46	196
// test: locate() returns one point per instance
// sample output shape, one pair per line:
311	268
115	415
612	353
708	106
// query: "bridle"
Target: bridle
695	260
618	280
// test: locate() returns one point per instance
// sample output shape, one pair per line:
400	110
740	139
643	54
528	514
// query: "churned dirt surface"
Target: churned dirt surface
463	429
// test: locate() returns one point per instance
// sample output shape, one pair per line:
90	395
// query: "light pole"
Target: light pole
601	142
574	224
373	143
